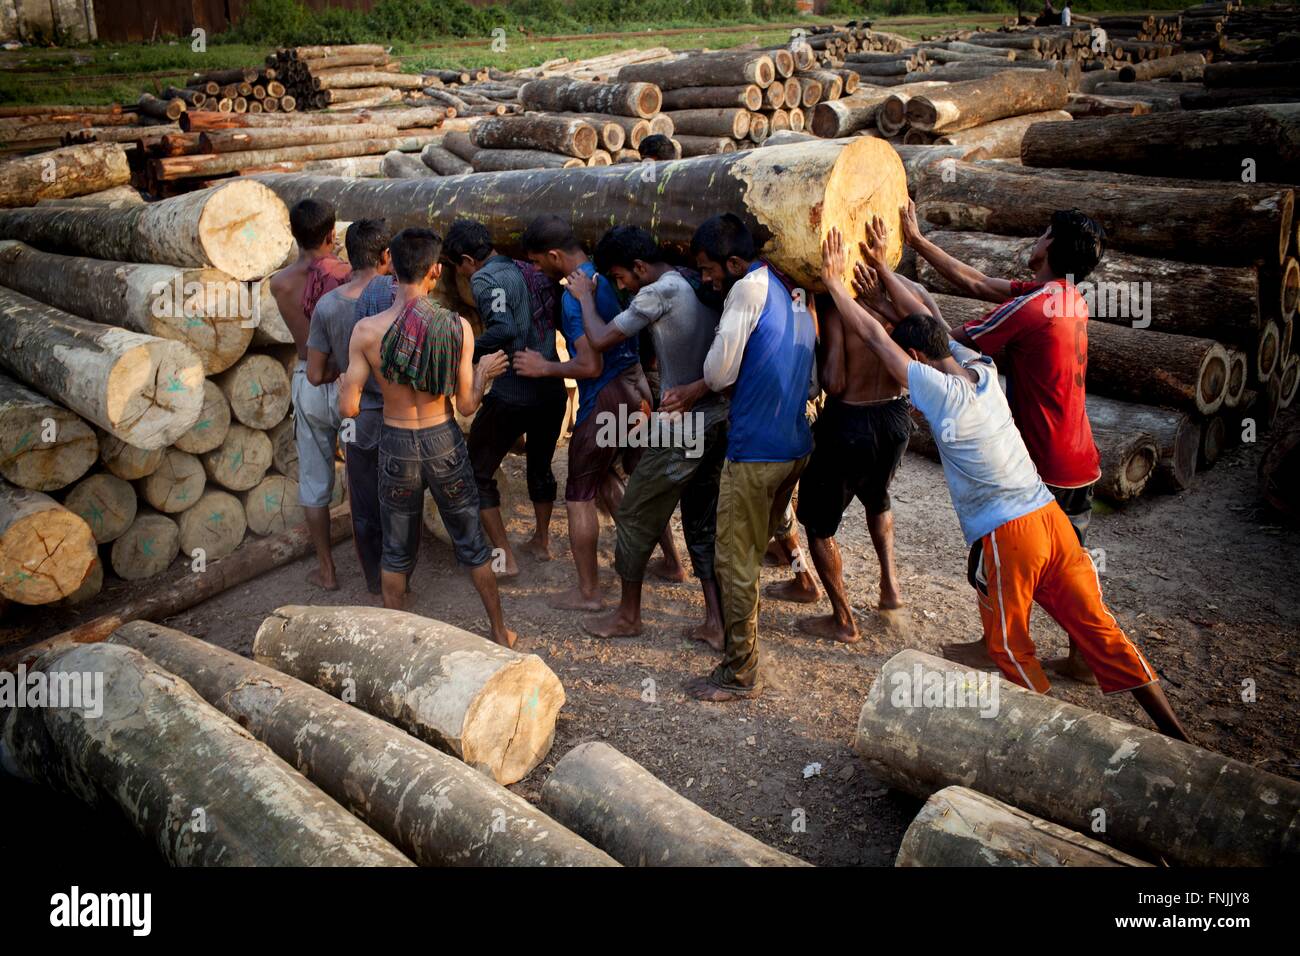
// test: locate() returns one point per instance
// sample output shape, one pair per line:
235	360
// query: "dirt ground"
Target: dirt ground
1204	581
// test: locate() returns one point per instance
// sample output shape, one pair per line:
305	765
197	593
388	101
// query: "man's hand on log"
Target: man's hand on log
877	243
866	284
833	258
911	228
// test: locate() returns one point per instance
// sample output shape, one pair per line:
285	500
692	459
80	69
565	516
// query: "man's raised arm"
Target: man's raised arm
968	280
895	360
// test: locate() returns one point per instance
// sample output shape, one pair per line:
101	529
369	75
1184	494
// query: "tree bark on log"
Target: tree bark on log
443	162
733	69
1001	138
1129	457
142	389
712	122
1278	74
43	446
176	484
215	524
1221	226
490	706
1202	144
146	548
421	117
204	309
637	819
432	806
239	228
105	502
116	196
348	79
1173	302
399	165
705	145
272	505
276	137
749	97
1161	66
960	827
570	137
160	753
960	106
46	551
561	94
892	114
213	423
789	196
183	167
241	460
1176	436
1060	762
503	160
59	173
257	389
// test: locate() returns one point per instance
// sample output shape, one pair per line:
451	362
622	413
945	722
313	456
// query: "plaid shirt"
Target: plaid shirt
422	348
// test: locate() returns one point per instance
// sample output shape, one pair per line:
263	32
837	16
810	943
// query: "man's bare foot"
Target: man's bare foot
890	600
710	634
1073	667
612	625
664	571
506	639
321	580
793	590
704	689
538	548
827	627
574	600
970	653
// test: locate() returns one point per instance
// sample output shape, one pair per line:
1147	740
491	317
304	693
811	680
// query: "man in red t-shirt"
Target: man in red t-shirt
1039	335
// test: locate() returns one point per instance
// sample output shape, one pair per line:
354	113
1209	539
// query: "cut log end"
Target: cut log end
46	551
495	739
244	229
155	393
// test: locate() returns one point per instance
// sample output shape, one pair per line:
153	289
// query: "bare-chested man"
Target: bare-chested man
423	358
296	290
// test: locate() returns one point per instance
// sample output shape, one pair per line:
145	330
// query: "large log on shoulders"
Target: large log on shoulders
789	196
959	106
1207	144
46	551
59	173
158	753
145	390
436	809
1061	762
1164	294
625	810
1220	225
204	309
43	446
239	227
492	707
560	94
961	827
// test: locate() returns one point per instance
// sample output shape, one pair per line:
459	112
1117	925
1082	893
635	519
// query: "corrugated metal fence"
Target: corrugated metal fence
119	20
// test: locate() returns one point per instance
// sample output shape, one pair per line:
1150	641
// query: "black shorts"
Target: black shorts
856	451
1077	505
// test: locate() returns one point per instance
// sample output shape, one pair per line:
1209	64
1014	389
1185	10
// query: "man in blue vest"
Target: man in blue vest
762	356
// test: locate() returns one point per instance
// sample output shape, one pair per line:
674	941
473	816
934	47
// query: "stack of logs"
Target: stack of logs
144	386
1220	373
223	91
342	77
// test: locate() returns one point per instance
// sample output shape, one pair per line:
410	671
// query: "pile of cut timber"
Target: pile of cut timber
144	389
341	77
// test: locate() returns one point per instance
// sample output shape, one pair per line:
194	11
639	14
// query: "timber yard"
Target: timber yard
520	447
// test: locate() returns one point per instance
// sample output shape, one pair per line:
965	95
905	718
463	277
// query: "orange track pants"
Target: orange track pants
1037	558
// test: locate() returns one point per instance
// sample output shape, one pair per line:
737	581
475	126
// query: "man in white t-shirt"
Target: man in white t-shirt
1023	547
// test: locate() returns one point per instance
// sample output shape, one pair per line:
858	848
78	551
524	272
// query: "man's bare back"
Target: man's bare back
866	379
287	287
404	407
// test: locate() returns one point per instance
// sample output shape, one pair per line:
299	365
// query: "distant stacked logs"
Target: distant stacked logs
341	77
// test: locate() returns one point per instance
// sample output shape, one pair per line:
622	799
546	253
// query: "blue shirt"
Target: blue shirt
991	478
764	347
616	359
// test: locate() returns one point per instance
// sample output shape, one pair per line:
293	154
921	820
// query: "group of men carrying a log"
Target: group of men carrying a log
731	360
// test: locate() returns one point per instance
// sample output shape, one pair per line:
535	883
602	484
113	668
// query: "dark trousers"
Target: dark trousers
497	427
363	498
1077	505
